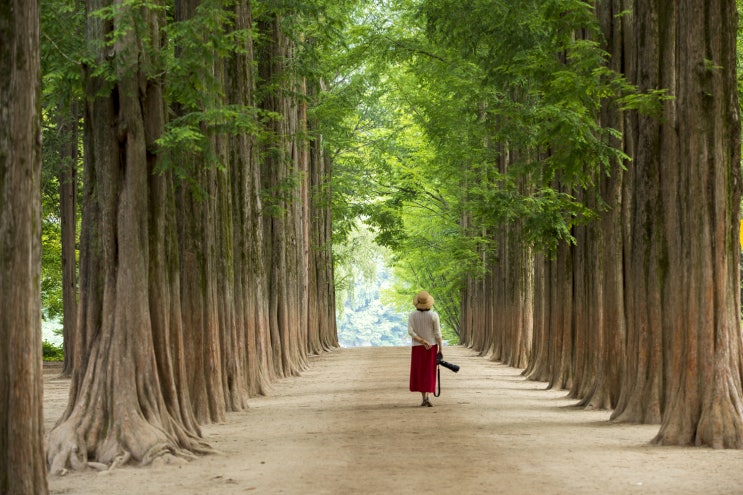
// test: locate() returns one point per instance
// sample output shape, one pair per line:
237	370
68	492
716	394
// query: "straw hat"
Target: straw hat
423	300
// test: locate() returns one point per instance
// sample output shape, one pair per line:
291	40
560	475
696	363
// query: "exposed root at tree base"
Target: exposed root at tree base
66	450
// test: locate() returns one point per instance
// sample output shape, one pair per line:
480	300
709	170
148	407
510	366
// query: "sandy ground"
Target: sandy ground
350	425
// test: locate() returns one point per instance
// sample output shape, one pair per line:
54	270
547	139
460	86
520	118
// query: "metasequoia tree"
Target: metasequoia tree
69	157
672	308
560	317
641	397
249	271
553	145
508	290
284	175
321	323
600	361
61	25
205	246
22	464
128	399
698	181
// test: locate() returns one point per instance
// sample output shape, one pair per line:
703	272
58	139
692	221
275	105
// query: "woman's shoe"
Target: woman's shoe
427	402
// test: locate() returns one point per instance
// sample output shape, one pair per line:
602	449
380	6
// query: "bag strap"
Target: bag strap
438	381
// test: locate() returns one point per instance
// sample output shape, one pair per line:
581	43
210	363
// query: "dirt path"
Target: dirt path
349	425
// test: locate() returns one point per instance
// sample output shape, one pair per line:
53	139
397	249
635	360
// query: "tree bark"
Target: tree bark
205	247
22	466
250	276
700	191
538	367
322	332
607	348
561	319
68	130
283	179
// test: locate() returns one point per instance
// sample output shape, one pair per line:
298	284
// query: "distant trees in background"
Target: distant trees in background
373	306
365	320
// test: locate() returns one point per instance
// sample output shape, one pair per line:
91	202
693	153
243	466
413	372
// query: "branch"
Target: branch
62	53
416	50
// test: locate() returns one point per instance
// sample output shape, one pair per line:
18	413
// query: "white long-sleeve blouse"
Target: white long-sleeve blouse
424	324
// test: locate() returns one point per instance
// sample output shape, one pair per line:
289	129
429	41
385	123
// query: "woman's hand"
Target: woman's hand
426	345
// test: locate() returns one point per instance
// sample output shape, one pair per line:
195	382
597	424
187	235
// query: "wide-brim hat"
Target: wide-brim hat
423	300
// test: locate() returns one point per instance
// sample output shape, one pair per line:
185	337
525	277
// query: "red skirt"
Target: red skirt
423	369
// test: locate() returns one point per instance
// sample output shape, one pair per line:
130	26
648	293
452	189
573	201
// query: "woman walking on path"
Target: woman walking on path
423	327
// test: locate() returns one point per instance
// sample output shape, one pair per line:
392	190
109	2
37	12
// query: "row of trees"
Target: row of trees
640	313
205	267
568	174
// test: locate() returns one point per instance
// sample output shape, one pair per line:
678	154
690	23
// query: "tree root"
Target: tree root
66	450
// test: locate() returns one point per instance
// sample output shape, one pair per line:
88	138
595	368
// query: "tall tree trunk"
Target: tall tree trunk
125	397
250	276
700	191
323	334
538	366
205	247
22	466
641	399
608	348
586	306
561	318
68	130
282	175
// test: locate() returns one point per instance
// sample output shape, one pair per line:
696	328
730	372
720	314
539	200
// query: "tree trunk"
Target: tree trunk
538	366
561	318
205	240
126	396
323	335
608	347
68	129
22	466
700	191
641	398
250	276
585	306
283	179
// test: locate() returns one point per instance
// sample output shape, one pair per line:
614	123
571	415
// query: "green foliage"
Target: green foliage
374	314
446	121
197	47
356	263
51	269
51	223
52	352
360	275
451	121
62	46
